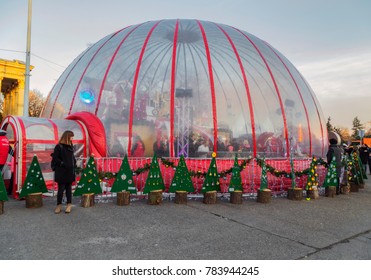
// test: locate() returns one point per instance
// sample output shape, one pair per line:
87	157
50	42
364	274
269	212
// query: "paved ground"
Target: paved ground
327	228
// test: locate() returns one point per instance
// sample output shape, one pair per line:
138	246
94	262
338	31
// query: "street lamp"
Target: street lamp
28	55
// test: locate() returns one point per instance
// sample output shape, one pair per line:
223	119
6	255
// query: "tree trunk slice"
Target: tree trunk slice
123	198
354	187
87	200
264	196
210	197
295	194
34	200
1	207
313	194
236	197
330	191
181	197
345	189
155	197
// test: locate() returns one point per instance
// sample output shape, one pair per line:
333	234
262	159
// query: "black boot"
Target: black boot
337	190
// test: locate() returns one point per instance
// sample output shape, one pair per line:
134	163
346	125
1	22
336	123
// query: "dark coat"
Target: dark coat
335	150
363	154
65	162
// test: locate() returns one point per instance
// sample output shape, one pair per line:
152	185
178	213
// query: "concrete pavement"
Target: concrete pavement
328	228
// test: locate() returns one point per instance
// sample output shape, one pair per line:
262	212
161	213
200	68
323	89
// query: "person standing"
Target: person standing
335	151
63	164
363	154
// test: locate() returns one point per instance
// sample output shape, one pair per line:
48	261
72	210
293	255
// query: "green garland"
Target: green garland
275	172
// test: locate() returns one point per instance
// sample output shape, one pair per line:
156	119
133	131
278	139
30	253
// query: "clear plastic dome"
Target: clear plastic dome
191	87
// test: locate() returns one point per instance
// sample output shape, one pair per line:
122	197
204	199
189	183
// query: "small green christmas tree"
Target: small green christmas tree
3	194
312	181
181	180
89	181
352	171
359	168
124	179
331	178
264	177
34	182
235	184
211	182
154	180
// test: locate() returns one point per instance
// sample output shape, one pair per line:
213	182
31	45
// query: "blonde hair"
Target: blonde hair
66	137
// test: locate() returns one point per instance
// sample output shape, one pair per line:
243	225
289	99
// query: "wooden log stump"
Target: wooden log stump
87	200
1	207
123	198
236	197
312	194
34	200
330	191
295	194
181	197
155	197
264	196
345	189
210	197
354	187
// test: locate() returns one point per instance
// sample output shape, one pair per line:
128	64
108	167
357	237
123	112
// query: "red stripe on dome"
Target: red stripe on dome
301	97
135	82
212	87
318	114
109	67
87	66
276	88
59	91
246	87
47	100
172	88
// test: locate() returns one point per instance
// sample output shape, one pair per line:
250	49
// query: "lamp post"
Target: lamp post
361	134
28	54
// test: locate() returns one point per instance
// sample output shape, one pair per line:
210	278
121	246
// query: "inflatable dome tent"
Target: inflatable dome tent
176	87
191	87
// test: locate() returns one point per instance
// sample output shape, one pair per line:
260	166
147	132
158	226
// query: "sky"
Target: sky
329	41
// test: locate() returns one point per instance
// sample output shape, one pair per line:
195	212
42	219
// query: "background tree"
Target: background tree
344	133
356	126
329	125
36	103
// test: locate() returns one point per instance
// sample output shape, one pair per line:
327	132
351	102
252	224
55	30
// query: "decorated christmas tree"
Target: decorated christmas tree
235	184
331	178
154	180
211	182
124	178
89	181
359	168
181	180
312	181
264	177
351	170
34	182
3	194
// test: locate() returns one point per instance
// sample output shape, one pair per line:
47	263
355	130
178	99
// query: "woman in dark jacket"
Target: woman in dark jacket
63	164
